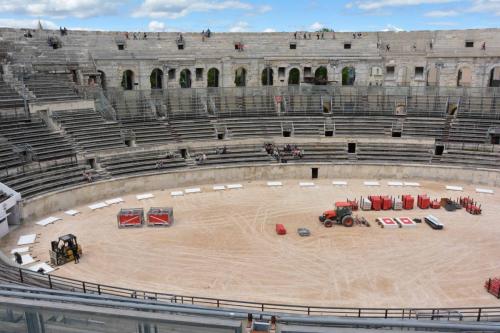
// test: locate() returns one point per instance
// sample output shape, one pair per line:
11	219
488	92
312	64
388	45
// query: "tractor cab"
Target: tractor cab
61	250
342	214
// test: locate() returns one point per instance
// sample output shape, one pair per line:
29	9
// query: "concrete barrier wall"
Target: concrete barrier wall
86	194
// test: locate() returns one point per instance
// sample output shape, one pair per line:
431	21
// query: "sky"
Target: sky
251	15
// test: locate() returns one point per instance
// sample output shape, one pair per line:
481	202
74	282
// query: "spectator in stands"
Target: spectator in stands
431	44
305	35
145	36
317	36
28	34
209	33
126	35
387	47
18	258
180	38
224	149
87	176
483	47
322	35
295	35
159	164
65	31
134	35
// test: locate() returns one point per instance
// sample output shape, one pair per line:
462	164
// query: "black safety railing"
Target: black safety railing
22	276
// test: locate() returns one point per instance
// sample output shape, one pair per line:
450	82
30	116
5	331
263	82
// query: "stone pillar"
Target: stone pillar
34	322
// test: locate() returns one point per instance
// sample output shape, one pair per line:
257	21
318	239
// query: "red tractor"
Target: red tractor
342	214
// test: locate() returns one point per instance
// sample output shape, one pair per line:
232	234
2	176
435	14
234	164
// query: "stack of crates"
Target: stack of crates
408	202
376	202
397	204
386	202
423	201
366	204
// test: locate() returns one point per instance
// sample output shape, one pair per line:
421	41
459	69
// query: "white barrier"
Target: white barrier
177	193
454	188
274	184
484	190
48	220
72	212
192	190
144	196
114	201
98	205
26	239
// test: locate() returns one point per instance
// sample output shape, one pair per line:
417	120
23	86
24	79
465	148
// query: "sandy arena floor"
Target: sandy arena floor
223	244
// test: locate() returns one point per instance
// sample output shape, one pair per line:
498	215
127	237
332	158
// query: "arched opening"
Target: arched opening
495	77
156	79
185	78
128	80
102	79
464	77
213	78
267	76
321	76
240	77
348	76
294	76
432	77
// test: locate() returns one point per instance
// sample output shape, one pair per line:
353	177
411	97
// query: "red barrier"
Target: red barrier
280	229
493	286
386	203
423	201
376	202
131	217
408	202
160	216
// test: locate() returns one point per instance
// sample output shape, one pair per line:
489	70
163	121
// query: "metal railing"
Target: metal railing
22	276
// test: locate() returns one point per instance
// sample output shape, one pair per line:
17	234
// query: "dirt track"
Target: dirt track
223	244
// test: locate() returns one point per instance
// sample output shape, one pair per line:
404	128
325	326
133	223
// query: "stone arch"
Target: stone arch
102	77
432	77
294	76
267	76
185	78
464	77
321	76
128	80
213	78
156	79
494	79
348	76
240	77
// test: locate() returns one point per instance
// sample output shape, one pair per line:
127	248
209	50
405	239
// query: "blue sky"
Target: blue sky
252	15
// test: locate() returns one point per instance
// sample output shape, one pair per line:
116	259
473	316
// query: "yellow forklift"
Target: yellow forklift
62	250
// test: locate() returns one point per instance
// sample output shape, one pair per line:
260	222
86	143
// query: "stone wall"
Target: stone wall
442	53
91	193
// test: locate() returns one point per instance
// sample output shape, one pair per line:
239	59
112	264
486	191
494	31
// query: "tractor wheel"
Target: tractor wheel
347	221
328	223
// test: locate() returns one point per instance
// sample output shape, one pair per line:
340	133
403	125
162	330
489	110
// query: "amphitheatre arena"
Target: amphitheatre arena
239	134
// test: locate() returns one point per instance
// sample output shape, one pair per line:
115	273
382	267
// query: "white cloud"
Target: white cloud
240	26
316	26
442	24
442	13
178	8
391	27
269	30
28	24
373	5
156	26
485	6
60	8
265	9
